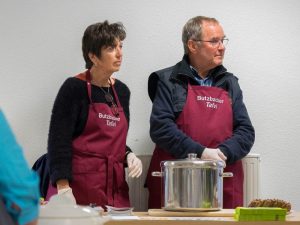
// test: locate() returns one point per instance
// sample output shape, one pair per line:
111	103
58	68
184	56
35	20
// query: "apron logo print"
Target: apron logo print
211	105
210	101
111	121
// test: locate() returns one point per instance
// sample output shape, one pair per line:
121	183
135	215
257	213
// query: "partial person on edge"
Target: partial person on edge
19	186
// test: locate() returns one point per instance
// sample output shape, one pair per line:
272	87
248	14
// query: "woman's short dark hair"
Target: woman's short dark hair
99	35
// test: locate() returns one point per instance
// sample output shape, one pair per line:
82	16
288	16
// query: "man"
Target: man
198	108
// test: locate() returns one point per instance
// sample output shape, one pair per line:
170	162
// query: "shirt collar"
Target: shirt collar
207	81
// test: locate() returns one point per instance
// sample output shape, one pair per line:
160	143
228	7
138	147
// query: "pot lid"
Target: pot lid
192	162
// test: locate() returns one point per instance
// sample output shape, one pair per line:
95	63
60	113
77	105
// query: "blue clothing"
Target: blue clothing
207	81
167	89
19	186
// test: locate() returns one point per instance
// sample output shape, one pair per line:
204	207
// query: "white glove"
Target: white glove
214	154
66	194
135	166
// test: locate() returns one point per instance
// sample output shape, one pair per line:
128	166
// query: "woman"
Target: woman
89	124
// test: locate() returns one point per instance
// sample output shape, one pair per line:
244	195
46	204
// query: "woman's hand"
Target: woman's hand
62	184
135	167
67	194
34	222
64	189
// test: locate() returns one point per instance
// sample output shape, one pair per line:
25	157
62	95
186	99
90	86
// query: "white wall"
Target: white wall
40	46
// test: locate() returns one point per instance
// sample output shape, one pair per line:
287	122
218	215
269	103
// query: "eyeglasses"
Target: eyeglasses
114	107
216	43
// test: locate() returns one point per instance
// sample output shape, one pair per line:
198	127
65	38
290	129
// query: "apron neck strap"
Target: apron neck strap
88	84
115	93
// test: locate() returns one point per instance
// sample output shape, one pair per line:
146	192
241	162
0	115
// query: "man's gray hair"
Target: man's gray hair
193	30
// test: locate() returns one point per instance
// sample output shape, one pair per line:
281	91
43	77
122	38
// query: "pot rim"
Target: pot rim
194	163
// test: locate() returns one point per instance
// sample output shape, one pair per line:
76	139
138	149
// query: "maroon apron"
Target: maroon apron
211	108
98	156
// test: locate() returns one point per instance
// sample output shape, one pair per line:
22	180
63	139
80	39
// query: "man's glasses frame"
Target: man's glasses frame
215	43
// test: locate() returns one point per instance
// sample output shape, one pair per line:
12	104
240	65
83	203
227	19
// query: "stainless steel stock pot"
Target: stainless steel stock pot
192	184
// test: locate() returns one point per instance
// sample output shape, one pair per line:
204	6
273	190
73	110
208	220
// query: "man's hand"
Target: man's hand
214	154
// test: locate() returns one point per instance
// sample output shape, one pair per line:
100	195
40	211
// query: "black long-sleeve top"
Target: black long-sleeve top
68	119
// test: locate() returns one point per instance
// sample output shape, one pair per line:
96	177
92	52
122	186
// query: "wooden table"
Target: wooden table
144	219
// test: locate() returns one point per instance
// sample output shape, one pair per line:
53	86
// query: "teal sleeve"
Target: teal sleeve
19	185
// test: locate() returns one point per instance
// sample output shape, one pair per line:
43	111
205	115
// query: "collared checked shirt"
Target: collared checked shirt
207	81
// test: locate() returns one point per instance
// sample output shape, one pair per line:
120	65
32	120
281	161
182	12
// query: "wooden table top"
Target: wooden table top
143	218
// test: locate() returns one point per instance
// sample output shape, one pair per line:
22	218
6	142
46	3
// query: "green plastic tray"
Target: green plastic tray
260	214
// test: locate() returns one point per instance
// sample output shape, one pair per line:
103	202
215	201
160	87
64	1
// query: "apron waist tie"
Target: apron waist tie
110	180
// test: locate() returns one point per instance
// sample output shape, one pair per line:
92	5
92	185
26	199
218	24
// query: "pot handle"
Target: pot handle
157	174
227	174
